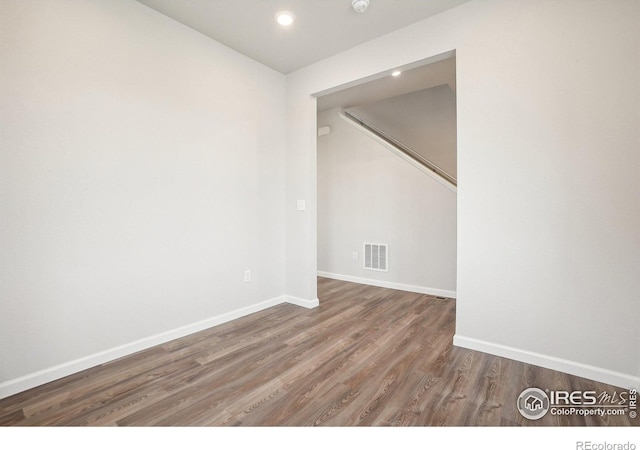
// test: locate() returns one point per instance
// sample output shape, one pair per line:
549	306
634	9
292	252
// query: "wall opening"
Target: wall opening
366	194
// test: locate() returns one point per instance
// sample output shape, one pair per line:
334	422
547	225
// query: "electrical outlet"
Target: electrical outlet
247	276
355	256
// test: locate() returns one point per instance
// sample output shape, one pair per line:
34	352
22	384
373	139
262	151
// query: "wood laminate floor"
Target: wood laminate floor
367	356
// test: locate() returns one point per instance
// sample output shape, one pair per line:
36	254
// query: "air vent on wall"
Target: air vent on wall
375	257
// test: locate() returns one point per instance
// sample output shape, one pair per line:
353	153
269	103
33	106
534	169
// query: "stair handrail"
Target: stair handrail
399	146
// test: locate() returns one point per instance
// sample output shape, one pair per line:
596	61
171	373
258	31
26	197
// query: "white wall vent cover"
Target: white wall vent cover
376	257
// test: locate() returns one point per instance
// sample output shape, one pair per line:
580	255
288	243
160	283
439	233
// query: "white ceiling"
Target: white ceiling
423	76
322	27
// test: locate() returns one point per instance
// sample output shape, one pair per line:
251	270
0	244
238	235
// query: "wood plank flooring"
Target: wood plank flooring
366	357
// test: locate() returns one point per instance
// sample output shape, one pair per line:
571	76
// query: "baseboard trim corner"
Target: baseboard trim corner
310	304
599	374
390	285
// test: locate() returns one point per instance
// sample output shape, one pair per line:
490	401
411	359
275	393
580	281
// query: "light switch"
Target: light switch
302	205
323	131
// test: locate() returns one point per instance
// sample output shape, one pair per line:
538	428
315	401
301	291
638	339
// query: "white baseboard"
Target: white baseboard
302	302
41	377
390	285
550	362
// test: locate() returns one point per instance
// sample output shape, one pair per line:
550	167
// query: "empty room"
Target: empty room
329	213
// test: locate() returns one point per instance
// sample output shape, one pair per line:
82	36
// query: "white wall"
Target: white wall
425	121
368	194
141	172
548	162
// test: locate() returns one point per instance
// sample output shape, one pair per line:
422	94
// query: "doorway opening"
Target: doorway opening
387	178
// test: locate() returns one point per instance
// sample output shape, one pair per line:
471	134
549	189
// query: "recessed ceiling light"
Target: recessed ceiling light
285	18
396	73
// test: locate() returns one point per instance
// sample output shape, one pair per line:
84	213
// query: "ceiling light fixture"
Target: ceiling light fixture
285	18
396	73
360	6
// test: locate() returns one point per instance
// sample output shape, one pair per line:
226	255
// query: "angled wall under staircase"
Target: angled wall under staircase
419	127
